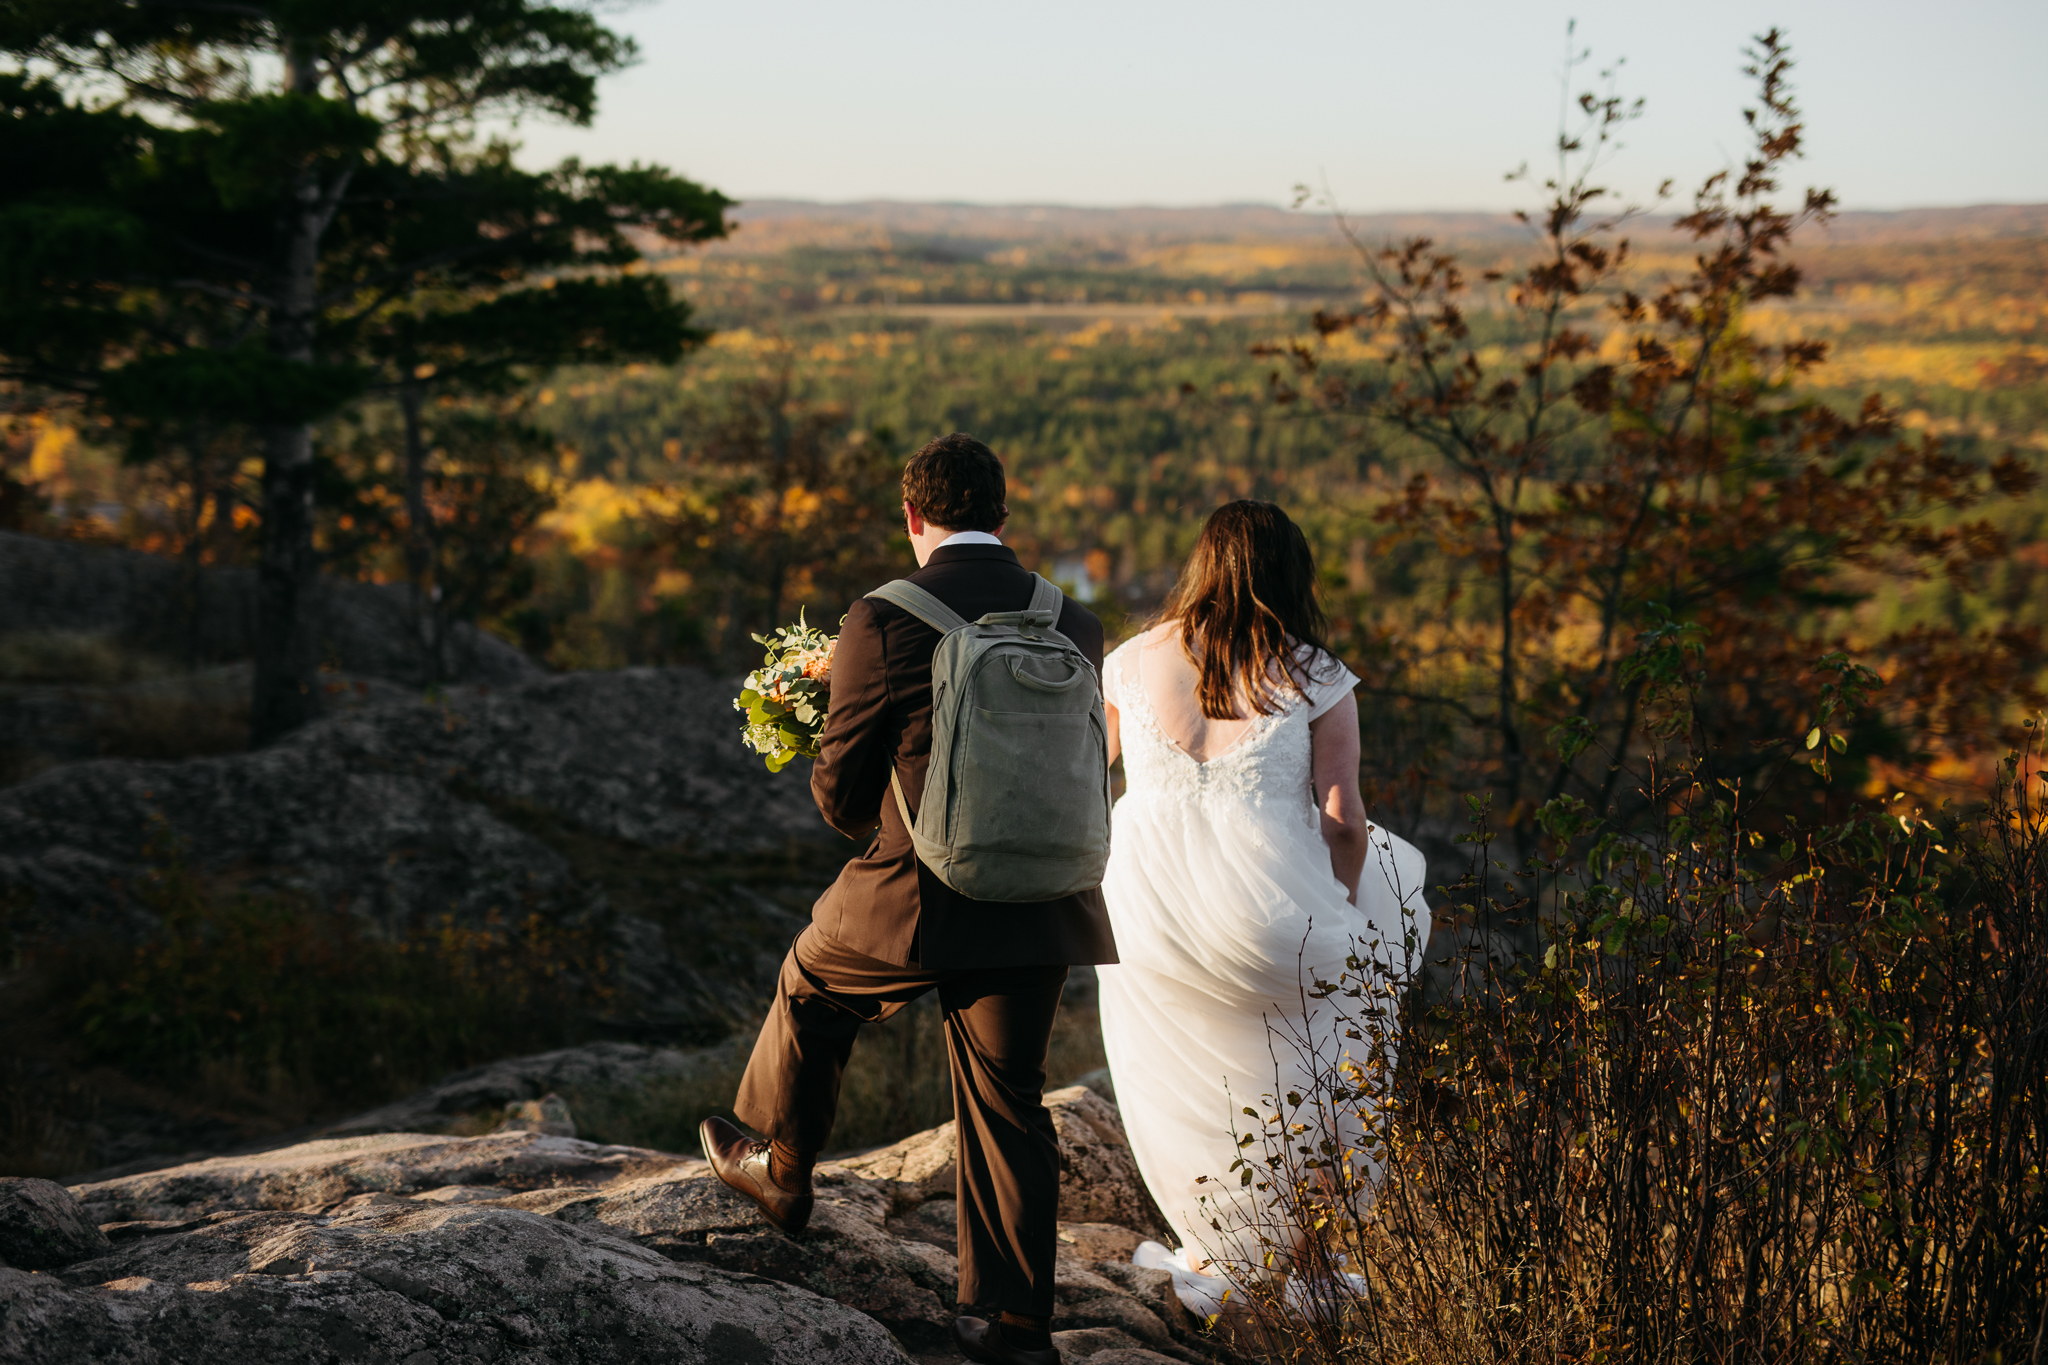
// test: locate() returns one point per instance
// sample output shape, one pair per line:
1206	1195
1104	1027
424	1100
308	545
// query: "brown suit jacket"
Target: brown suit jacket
886	904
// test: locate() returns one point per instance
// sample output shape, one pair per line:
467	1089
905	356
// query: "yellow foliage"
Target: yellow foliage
1954	364
800	504
1235	260
670	583
1090	335
859	345
587	511
54	445
746	341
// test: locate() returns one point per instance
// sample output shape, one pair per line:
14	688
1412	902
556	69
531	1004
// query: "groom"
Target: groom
889	930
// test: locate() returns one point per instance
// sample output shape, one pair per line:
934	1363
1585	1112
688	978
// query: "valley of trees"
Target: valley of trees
641	512
275	299
606	515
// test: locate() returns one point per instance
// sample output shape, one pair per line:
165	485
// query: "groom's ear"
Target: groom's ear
913	519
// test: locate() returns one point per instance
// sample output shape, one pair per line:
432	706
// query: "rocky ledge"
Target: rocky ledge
622	802
533	1248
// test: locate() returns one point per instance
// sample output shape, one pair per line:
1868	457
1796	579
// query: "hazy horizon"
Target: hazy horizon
779	223
1279	206
1202	104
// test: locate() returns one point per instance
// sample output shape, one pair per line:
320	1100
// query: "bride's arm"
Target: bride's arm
1112	675
1333	741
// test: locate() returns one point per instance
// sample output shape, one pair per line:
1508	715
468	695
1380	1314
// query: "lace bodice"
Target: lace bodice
1266	776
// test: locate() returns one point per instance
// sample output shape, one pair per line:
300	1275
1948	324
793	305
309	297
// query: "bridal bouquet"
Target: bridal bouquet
785	698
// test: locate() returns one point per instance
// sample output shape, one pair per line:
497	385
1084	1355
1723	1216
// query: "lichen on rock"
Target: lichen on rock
569	1250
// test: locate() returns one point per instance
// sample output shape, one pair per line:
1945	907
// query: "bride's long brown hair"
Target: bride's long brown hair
1245	604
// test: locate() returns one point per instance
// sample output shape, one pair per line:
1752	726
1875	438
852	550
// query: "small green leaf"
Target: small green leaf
1813	737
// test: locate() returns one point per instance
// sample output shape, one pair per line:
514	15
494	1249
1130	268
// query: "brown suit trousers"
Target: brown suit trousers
997	1022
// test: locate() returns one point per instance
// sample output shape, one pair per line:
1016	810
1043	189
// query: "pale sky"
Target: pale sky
1413	106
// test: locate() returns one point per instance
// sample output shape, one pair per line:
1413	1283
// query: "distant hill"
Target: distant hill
774	225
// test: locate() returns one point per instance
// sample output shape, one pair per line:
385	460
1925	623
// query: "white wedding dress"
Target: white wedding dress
1220	890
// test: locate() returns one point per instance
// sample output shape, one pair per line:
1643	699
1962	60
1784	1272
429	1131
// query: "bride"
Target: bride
1242	867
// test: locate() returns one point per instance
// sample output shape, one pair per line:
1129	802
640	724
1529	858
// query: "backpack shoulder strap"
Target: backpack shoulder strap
1046	596
902	806
921	604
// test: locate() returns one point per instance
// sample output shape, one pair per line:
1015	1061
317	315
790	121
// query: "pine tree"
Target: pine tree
254	212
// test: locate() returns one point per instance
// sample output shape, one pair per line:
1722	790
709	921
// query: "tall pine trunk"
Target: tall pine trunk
287	650
195	539
428	620
287	631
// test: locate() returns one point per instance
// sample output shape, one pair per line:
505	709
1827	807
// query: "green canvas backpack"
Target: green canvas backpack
1016	800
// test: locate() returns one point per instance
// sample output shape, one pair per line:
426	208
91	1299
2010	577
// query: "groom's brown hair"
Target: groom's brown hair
957	482
1246	605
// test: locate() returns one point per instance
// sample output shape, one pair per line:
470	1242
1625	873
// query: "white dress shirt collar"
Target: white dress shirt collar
969	538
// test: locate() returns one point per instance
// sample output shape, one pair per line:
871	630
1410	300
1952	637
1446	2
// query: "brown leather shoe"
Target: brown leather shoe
742	1162
983	1342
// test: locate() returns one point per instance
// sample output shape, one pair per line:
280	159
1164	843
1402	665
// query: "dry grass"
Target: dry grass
1748	1106
81	695
73	656
249	1014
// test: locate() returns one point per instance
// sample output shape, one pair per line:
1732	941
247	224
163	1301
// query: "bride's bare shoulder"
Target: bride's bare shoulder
1163	633
1149	638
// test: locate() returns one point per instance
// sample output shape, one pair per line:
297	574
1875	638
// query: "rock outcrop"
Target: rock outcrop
405	1281
549	1116
153	603
515	1081
400	808
413	810
1099	1180
537	1248
42	1226
327	1172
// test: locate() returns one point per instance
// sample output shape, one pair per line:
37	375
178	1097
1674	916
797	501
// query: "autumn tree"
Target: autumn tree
780	503
454	496
1634	464
466	339
252	213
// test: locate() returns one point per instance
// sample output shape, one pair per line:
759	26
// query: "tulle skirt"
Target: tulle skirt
1225	919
